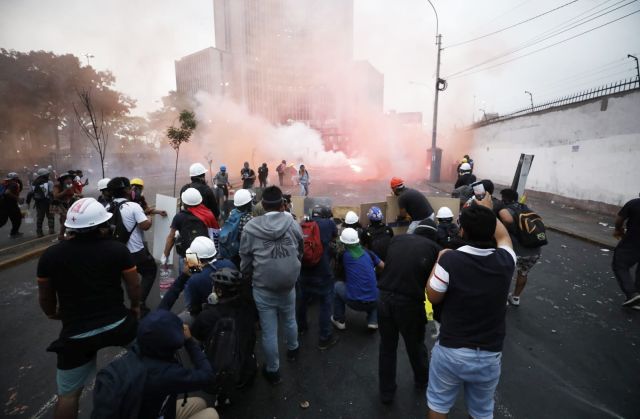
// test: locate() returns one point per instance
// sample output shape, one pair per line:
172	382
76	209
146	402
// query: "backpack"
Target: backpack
120	232
312	244
40	190
119	387
378	239
223	351
528	226
229	239
464	193
191	228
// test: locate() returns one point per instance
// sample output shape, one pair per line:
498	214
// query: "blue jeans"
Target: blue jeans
341	301
306	294
272	306
451	368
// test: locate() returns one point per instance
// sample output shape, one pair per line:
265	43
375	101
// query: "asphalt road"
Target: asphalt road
571	352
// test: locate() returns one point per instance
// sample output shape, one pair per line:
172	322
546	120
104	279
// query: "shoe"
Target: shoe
325	344
15	236
372	326
272	377
513	300
338	324
632	301
292	354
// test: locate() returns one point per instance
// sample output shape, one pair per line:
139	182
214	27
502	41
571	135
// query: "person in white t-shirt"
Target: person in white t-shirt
136	222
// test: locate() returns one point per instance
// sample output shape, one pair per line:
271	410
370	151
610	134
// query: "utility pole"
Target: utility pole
483	113
637	67
530	97
436	155
87	56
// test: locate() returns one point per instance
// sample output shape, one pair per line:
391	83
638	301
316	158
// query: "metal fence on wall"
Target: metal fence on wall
612	88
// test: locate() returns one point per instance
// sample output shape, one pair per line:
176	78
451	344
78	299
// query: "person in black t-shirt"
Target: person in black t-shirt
465	177
471	284
197	173
411	204
410	258
627	252
248	176
79	283
263	174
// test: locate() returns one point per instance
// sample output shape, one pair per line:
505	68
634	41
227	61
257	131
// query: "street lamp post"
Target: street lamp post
440	85
87	56
530	97
637	66
483	113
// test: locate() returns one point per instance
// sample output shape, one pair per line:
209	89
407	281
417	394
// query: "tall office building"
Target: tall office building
208	70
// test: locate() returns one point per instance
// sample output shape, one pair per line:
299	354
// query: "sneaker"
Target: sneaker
372	326
513	300
632	301
272	377
338	324
292	354
325	344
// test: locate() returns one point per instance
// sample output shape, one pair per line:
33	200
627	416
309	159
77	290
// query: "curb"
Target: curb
579	237
23	257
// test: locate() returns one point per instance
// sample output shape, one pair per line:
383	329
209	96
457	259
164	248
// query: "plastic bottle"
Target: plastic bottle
166	279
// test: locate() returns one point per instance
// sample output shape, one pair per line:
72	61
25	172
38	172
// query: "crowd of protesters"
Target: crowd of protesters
256	268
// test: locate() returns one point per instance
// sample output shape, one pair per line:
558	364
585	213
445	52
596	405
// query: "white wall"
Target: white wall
581	152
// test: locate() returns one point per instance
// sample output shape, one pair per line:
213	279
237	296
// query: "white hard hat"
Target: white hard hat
203	247
197	169
349	236
465	167
444	212
102	183
86	213
42	172
351	218
191	197
242	197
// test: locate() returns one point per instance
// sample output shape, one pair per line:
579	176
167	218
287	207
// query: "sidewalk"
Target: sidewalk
586	225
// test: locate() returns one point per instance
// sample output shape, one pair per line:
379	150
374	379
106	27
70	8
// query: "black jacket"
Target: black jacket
208	198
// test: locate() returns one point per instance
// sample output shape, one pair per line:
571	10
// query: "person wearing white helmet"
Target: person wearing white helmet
351	220
42	194
198	172
447	229
222	185
196	278
10	190
192	221
232	229
79	284
359	289
105	195
465	177
135	222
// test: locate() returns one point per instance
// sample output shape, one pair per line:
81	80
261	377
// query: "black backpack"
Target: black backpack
223	351
378	238
119	387
191	228
528	226
120	231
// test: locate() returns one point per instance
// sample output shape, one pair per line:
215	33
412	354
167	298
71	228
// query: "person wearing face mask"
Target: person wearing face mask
64	195
137	196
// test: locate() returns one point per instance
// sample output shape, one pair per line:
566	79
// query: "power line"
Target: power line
595	70
525	46
587	81
511	26
498	17
458	75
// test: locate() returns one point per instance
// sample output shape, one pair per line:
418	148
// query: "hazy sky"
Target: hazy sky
139	40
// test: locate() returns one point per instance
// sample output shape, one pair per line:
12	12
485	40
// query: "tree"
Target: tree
93	129
177	136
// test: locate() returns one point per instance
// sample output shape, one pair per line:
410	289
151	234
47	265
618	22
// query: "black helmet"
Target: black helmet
118	183
326	212
316	211
228	277
65	175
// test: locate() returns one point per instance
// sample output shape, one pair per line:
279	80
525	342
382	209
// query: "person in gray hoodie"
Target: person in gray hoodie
270	253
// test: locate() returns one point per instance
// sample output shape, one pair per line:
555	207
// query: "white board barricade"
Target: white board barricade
161	225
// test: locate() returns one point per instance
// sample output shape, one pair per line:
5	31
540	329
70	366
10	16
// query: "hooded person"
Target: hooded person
271	251
160	335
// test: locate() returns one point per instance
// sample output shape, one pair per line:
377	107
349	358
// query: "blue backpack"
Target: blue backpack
229	240
118	388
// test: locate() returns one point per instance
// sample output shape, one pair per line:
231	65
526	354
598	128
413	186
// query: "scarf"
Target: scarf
205	215
355	250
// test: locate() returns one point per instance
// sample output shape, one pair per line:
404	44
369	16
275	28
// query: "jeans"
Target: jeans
271	307
401	316
306	294
451	368
147	268
624	258
341	300
43	210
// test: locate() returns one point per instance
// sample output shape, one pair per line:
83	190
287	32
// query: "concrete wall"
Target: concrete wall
588	151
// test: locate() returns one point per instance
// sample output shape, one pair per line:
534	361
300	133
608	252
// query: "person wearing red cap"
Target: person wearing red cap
413	205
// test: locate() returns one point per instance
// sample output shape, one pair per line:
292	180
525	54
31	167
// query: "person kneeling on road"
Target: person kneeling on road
359	290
